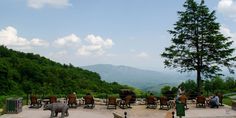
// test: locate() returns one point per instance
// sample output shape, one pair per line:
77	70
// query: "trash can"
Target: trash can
14	105
180	110
234	104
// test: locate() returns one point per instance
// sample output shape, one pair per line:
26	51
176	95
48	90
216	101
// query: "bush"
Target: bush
227	101
2	101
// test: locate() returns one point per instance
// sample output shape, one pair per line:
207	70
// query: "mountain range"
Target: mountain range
144	79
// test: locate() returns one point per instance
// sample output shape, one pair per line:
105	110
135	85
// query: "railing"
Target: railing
229	94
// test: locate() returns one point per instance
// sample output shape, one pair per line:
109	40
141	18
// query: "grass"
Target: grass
227	101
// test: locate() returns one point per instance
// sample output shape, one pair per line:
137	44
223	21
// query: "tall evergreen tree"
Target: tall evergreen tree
197	44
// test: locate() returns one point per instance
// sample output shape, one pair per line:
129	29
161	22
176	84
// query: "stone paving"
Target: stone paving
137	111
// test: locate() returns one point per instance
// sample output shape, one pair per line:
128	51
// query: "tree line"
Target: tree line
24	73
209	86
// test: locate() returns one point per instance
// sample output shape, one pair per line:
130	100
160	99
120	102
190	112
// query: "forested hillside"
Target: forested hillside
22	73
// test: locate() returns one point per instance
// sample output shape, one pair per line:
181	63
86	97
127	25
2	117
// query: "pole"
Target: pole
125	114
27	99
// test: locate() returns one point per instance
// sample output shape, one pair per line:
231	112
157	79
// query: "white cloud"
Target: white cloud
227	32
91	45
143	55
227	7
97	40
9	37
96	45
39	42
67	40
91	49
37	4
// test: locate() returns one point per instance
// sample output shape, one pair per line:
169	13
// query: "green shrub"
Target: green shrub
2	101
227	101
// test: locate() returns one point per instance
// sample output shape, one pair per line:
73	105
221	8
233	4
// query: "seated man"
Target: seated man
214	101
35	102
72	102
151	101
88	101
125	103
200	100
164	102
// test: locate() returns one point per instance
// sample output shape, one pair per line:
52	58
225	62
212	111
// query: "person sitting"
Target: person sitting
214	101
151	101
201	100
71	100
88	101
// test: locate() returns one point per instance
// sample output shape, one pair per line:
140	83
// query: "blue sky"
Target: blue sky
86	32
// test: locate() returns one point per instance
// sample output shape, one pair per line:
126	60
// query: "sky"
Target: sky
86	32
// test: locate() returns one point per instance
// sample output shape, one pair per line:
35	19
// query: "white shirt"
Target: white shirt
216	99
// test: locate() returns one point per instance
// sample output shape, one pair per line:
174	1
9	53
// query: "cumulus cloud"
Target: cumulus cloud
67	40
227	7
90	45
9	37
96	45
37	4
97	40
227	32
143	55
39	42
91	49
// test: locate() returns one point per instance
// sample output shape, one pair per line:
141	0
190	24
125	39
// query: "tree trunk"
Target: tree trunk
198	81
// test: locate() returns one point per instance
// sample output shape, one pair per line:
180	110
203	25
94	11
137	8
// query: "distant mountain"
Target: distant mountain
144	79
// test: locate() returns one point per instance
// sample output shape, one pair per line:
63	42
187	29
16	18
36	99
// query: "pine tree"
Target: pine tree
197	43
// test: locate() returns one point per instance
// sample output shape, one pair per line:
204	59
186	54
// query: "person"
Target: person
88	95
151	100
214	101
88	101
72	100
151	94
182	99
152	97
72	95
180	91
201	94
